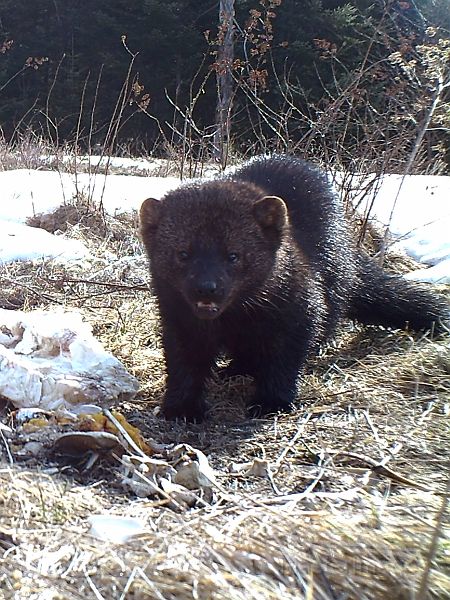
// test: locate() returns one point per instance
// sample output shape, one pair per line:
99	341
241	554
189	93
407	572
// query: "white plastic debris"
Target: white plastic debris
193	468
142	475
51	360
183	478
258	467
114	528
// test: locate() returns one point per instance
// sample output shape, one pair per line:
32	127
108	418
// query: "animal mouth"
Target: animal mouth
207	309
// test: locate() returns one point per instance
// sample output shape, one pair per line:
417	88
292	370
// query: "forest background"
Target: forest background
346	82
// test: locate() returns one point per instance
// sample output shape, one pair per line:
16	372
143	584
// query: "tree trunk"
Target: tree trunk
225	57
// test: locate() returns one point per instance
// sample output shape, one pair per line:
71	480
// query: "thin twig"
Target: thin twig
290	445
5	443
144	288
423	588
128	439
379	467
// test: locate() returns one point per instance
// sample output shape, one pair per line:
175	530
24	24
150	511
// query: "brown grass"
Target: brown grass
350	485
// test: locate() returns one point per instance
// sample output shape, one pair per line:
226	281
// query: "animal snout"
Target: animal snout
207	288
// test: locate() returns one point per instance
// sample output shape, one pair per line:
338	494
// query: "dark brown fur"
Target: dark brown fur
237	269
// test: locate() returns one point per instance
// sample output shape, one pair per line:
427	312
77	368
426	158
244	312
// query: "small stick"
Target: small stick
372	426
120	286
380	467
123	432
5	442
422	593
290	445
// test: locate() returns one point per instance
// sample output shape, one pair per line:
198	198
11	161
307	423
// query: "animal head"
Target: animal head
215	243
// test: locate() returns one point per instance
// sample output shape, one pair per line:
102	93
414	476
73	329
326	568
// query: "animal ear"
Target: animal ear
270	212
149	215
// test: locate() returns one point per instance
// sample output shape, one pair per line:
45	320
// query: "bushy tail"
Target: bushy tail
390	300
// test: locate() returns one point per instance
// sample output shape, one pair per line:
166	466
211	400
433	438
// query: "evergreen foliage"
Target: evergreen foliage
67	65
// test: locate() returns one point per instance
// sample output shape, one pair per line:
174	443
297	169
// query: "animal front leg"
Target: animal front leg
276	377
276	390
188	366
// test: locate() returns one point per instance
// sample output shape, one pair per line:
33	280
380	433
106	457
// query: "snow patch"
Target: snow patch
416	208
21	242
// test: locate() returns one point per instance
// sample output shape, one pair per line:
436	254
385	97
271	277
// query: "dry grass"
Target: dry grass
31	151
351	486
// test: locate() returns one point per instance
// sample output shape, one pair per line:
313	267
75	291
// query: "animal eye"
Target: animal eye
182	255
233	257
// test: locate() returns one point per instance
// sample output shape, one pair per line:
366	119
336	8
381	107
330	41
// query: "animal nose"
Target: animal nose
207	288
